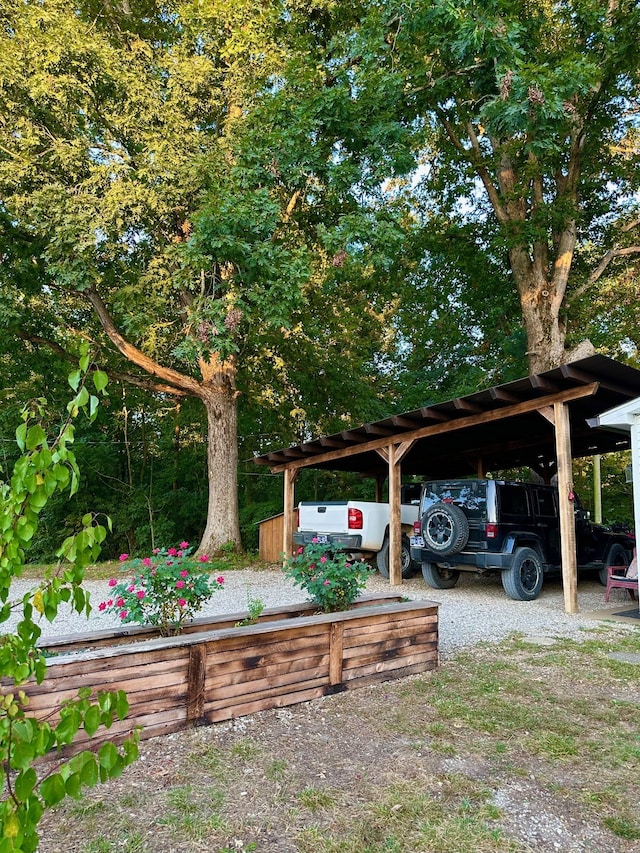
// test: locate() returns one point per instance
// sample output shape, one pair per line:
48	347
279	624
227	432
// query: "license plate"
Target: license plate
321	538
417	541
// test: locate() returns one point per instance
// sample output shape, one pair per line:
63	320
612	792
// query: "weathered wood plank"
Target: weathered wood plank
265	704
270	683
394	666
281	667
336	653
387	649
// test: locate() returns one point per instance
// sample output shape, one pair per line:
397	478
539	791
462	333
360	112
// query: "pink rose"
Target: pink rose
179	584
203	558
301	550
140	593
113	581
184	573
172	552
184	545
326	583
123	557
323	559
123	614
179	553
131	588
147	561
156	550
102	605
110	602
181	602
119	602
220	580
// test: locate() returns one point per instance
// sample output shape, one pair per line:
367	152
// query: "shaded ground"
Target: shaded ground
517	747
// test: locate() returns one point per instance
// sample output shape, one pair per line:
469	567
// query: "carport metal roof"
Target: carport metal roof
490	430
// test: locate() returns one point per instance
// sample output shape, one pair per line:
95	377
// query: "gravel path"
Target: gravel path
476	610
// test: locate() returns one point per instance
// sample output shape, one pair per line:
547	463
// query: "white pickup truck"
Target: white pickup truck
360	527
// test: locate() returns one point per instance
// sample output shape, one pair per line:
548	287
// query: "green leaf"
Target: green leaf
24	783
89	772
100	380
73	785
21	436
92	720
108	756
53	789
35	437
75	379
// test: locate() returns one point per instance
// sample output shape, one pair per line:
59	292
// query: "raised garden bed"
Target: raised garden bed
215	671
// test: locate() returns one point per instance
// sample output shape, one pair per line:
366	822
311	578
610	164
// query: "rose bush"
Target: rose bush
164	589
332	579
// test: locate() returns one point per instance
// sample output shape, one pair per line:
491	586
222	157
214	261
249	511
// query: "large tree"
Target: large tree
148	185
524	119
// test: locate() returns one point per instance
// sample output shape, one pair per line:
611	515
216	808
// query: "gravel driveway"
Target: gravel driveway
476	610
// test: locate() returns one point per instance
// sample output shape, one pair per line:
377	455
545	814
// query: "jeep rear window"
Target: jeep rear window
471	495
514	500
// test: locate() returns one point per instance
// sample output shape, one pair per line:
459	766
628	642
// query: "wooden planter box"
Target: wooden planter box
215	671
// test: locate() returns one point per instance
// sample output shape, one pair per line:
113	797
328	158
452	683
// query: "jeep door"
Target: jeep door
545	502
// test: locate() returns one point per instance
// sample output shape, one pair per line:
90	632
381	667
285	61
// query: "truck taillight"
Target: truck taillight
416	528
355	519
491	530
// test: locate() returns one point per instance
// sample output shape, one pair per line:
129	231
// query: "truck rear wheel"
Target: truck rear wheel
522	581
382	559
438	577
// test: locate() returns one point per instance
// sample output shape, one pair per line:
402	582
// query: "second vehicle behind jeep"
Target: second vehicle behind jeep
489	526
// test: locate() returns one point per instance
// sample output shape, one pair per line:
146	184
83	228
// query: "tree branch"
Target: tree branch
116	375
600	270
185	384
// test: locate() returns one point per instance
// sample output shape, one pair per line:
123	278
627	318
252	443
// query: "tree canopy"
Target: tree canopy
307	214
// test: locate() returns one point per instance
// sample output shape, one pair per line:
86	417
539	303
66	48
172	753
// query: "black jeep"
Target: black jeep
494	525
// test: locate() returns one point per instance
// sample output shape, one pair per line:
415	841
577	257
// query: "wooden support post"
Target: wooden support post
395	519
288	525
597	490
566	509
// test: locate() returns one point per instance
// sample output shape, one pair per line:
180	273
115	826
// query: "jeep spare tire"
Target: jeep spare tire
445	529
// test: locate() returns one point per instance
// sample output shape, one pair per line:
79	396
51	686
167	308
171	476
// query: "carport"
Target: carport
540	421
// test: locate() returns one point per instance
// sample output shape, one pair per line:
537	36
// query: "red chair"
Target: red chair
617	578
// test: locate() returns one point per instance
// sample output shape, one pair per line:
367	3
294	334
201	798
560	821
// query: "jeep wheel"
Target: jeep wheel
617	556
440	578
523	580
445	528
382	559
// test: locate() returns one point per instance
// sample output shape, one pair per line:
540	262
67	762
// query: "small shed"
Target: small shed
270	538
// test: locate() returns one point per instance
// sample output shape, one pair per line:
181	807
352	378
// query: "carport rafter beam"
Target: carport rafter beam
542	403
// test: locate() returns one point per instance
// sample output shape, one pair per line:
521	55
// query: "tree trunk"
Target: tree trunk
222	526
540	300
